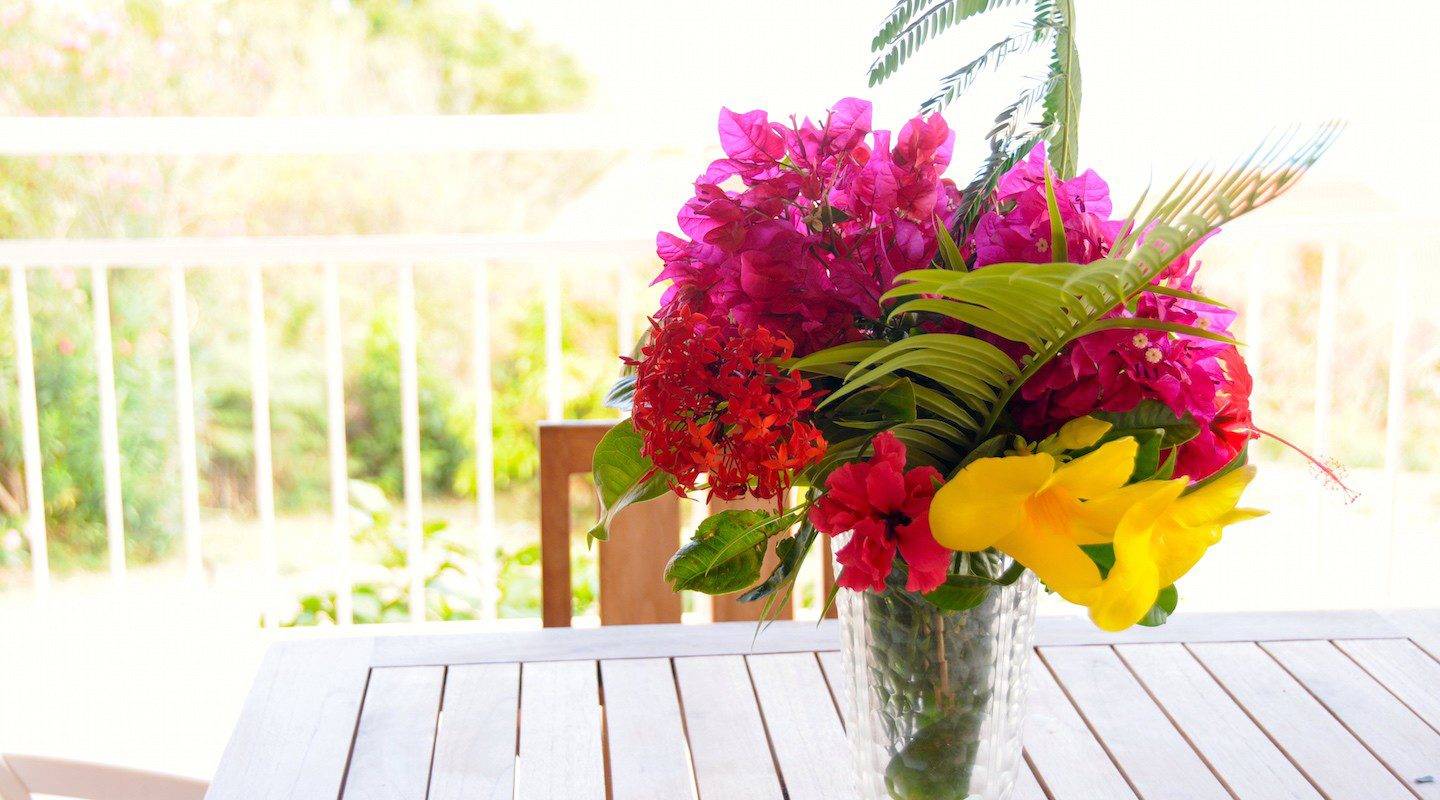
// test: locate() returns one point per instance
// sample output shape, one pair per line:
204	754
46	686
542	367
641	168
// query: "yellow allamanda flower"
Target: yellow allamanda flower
1159	535
1037	510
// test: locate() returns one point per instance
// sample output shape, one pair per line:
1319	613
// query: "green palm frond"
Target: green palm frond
968	382
1062	102
911	23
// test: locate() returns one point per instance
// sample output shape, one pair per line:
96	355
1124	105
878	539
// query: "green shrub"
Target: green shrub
453	579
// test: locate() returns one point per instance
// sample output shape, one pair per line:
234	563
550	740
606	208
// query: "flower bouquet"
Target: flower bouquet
973	390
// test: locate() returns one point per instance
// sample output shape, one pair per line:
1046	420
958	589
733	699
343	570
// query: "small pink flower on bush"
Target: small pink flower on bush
886	509
1114	370
801	227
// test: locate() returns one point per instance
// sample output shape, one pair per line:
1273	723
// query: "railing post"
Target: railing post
1395	417
30	433
185	425
109	421
339	467
554	338
625	310
1325	345
260	419
410	444
1255	285
488	538
1324	396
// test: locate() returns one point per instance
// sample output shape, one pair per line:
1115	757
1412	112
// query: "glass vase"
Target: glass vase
936	698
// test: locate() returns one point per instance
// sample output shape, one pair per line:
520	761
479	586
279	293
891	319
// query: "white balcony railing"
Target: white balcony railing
252	256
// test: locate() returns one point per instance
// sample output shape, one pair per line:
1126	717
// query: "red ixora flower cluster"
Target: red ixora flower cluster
801	228
885	509
711	398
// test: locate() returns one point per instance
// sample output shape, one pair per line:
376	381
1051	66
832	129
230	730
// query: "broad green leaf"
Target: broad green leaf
1147	454
1241	459
959	593
987	449
725	554
790	554
1164	606
622	475
1167	469
1148	416
622	394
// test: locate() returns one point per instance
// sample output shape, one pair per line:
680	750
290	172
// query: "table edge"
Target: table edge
744	638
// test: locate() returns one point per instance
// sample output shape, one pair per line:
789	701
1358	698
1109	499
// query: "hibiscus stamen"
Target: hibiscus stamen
1329	471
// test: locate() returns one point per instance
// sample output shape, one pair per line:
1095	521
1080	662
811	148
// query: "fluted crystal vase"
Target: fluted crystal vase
936	698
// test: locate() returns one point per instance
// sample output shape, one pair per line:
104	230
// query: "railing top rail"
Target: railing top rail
351	134
230	251
227	251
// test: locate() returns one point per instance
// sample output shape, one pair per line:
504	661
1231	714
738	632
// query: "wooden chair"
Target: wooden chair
643	537
22	777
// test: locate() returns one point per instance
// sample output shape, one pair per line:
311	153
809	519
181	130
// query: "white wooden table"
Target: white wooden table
1324	706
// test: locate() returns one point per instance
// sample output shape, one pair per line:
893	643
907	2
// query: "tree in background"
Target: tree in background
245	57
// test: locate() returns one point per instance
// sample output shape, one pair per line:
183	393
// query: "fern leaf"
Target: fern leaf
923	25
1007	147
958	82
900	15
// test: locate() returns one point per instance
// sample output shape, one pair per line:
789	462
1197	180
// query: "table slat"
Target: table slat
1064	752
727	738
1234	746
396	737
1332	758
1404	669
1421	625
292	741
804	727
1159	762
1391	731
1026	787
833	665
475	742
560	748
645	737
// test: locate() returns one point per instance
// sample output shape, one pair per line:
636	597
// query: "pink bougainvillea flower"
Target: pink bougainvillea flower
1017	225
886	509
821	219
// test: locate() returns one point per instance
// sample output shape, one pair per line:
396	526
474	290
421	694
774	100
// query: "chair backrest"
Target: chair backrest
643	537
631	563
24	776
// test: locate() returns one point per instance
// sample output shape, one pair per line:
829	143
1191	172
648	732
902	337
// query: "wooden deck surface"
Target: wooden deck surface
1306	706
